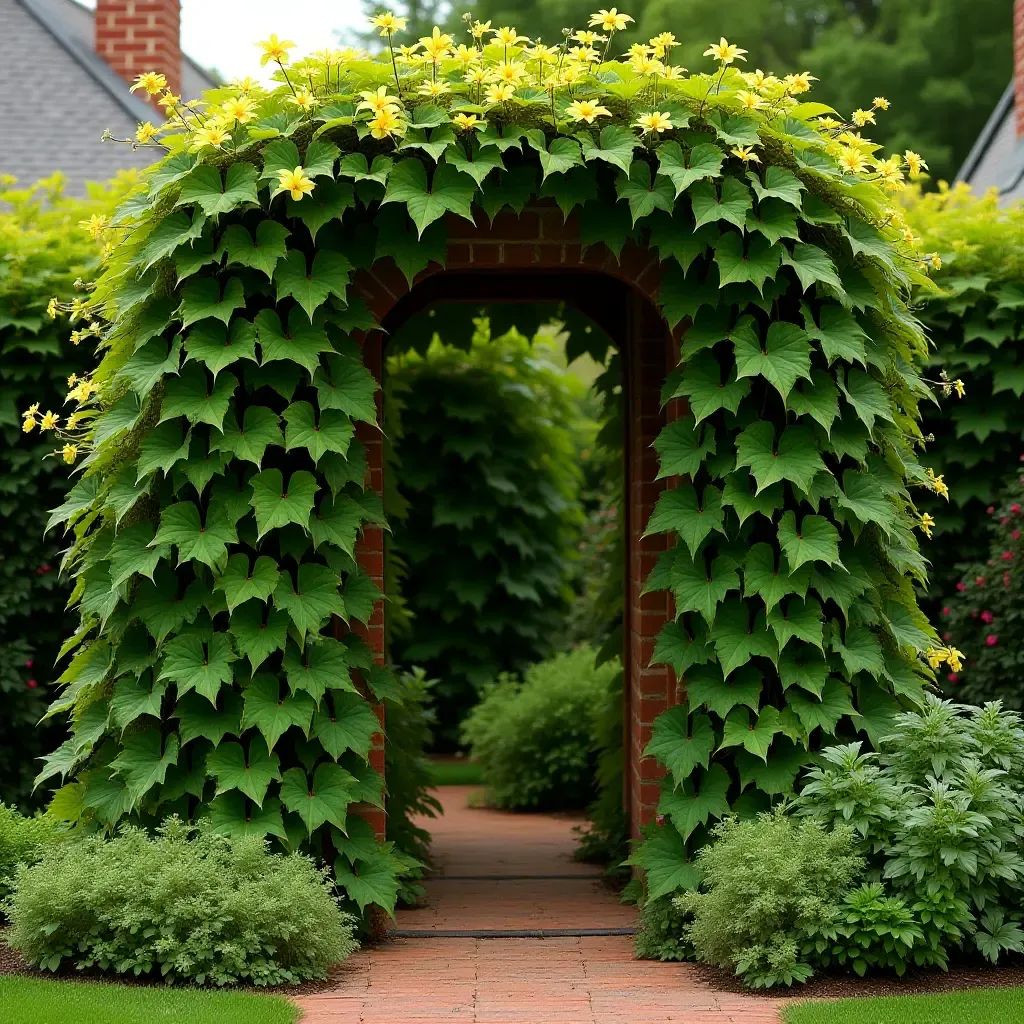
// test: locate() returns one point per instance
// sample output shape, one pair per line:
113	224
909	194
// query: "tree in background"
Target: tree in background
942	63
488	469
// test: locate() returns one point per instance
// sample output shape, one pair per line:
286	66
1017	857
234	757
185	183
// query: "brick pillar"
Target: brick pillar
1018	65
370	556
651	690
135	36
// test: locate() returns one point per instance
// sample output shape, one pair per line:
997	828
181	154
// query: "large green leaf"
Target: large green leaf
750	258
370	880
344	383
349	725
133	551
666	863
195	664
231	816
814	539
211	343
699	589
275	505
260	428
785	358
201	297
800	618
738	638
693	517
159	607
242	582
838	333
823	713
326	203
301	343
322	666
315	595
737	493
796	458
819	399
198	719
761	577
258	632
812	265
861	651
701	383
689	806
862	495
479	161
193	396
680	648
272	713
207	542
755	737
203	187
681	742
332	432
450	191
250	772
311	286
143	761
705	687
682	447
867	397
778	183
323	800
732	206
703	161
644	195
133	697
337	522
615	146
262	253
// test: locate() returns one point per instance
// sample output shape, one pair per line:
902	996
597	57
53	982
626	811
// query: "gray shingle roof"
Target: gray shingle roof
997	157
57	96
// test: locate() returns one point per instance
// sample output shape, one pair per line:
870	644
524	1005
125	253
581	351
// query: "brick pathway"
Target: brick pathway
428	979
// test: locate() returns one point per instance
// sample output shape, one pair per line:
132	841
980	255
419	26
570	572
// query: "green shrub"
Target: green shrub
536	738
489	479
22	840
185	905
768	883
662	931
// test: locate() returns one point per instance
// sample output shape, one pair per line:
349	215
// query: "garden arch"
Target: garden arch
531	257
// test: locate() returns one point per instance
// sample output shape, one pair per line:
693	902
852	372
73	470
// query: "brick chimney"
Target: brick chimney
1018	65
134	36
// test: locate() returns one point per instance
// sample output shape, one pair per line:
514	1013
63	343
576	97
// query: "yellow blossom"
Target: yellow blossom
798	83
146	132
663	41
209	135
935	656
647	65
829	124
540	52
240	109
29	424
246	85
69	452
955	658
304	100
937	484
409	54
852	161
499	93
863	117
377	101
386	123
588	38
958	387
639	50
73	419
749	100
151	82
610	21
746	154
466	55
388	23
295	183
655	121
72	380
910	237
436	45
76	337
479	29
914	163
506	36
51	309
466	122
477	76
274	49
586	110
725	51
169	102
881	102
30	411
926	524
49	421
507	72
434	89
585	54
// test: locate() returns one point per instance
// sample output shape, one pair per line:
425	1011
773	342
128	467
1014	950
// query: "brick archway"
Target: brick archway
533	257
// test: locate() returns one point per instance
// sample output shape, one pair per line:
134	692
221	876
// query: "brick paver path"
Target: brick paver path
582	979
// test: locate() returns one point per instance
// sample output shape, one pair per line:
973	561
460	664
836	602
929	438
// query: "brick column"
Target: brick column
135	36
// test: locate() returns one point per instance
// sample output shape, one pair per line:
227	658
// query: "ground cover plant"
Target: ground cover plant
32	1001
22	840
183	905
978	1006
536	739
220	489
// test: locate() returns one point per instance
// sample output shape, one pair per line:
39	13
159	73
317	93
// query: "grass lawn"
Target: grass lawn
977	1006
37	1001
456	772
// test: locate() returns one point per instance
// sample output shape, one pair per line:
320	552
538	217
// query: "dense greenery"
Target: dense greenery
975	1006
45	245
198	907
487	472
536	738
984	612
32	1001
975	320
22	840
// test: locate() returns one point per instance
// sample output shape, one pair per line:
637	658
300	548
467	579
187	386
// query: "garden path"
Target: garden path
499	873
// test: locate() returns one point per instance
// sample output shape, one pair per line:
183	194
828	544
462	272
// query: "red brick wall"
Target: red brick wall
539	240
135	36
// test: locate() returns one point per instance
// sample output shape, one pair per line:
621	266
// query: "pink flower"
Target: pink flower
945	611
961	586
953	677
1006	556
1004	520
1006	578
31	684
947	636
29	663
990	509
979	581
1015	508
991	640
1015	535
987	617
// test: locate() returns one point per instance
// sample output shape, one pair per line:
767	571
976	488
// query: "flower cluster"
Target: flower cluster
938	656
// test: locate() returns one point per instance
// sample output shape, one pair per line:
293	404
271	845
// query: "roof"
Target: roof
996	159
58	96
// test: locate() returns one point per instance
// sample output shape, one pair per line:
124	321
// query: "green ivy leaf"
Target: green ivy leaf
868	398
678	648
450	191
737	494
762	578
703	161
774	219
346	384
702	384
323	800
333	432
361	594
560	156
191	395
863	496
203	187
737	640
838	333
689	807
797	457
679	743
200	720
823	713
173	230
279	155
779	183
816	539
275	505
354	165
811	265
682	447
241	582
313	598
207	543
574	188
643	195
477	161
250	773
201	297
143	761
756	738
322	666
301	343
337	522
255	638
261	427
705	687
801	618
261	254
738	130
133	697
776	776
265	709
674	238
803	666
312	286
680	510
667	864
369	881
732	207
757	264
210	343
699	589
132	552
162	448
327	202
157	605
350	725
785	358
861	652
230	816
819	399
615	146
196	665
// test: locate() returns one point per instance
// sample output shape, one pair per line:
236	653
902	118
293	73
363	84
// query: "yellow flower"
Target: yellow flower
585	54
76	337
499	93
169	102
70	453
511	74
377	101
958	387
304	100
955	658
586	110
663	41
639	50
466	122
673	73
610	21
436	45
926	524
30	411
588	38
246	85
295	183
799	83
935	656
881	102
506	36
73	420
274	49
829	124
386	123
51	309
914	163
655	121
749	100
466	55
479	29
725	51
852	161
540	52
477	76
408	55
95	225
151	82
146	132
29	424
49	421
433	89
72	381
388	23
644	65
210	135
746	154
863	117
240	109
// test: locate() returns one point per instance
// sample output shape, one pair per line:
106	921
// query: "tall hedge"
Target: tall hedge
487	470
45	245
975	318
220	490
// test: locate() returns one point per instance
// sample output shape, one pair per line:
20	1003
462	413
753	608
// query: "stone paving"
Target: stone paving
580	979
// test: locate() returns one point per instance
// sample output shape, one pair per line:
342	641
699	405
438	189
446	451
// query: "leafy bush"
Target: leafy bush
662	931
768	883
975	319
536	738
982	614
21	841
45	244
488	473
185	905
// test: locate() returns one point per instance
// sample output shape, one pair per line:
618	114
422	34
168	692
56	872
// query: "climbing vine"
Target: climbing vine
221	489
